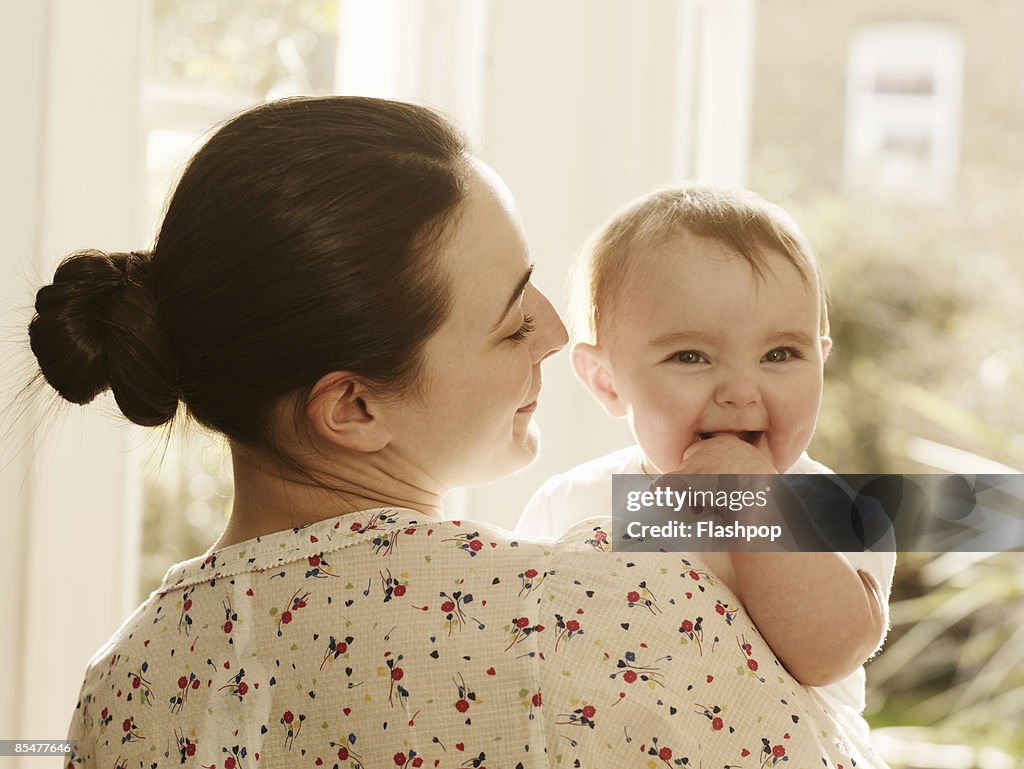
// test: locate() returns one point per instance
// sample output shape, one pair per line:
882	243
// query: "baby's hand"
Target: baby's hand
725	454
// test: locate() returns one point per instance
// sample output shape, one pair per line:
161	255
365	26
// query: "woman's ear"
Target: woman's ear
342	411
591	366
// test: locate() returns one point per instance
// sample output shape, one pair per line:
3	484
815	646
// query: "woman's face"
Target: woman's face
481	377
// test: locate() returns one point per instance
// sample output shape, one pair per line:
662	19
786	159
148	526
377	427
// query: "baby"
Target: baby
706	326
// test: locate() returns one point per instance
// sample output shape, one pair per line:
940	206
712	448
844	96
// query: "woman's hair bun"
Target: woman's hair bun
96	327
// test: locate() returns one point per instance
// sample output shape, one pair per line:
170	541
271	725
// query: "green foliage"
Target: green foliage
929	353
928	341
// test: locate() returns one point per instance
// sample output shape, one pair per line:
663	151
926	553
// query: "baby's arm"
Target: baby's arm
822	617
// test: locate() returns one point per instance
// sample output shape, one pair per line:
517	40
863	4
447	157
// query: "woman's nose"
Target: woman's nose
550	335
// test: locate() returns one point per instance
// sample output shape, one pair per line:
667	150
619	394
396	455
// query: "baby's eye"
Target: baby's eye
688	356
782	354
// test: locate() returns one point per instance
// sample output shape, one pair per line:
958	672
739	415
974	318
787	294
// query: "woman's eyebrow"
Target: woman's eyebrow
516	293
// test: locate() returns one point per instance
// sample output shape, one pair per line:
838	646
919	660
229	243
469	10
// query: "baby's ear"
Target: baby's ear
591	366
826	347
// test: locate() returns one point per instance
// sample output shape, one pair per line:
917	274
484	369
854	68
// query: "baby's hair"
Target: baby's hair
739	219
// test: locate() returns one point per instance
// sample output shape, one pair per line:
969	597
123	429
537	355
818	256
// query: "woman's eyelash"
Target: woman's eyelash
524	330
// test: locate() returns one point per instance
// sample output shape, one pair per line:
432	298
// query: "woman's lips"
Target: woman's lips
531	406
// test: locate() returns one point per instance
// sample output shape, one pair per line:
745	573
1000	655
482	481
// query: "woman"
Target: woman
343	291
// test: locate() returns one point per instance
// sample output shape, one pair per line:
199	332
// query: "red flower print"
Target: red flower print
455	617
693	632
579	717
127	725
644	598
314	560
395	677
536	700
598	540
452	607
286	617
726	611
752	665
182	682
694	575
717	723
399	759
229	762
469	542
190	749
665	754
522	622
572	626
778	751
228	626
236	686
288	717
399	590
530	573
342	754
631	670
465	695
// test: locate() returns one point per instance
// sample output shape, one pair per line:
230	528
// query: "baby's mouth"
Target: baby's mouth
750	436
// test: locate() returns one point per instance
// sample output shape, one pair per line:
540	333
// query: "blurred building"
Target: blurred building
904	96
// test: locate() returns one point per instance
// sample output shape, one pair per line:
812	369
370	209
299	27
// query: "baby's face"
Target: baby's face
699	345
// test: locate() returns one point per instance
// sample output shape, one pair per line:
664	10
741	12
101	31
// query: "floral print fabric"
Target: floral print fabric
384	639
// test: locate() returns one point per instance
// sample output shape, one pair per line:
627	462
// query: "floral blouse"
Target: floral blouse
384	639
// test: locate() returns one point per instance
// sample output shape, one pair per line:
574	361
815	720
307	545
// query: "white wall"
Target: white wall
587	104
71	178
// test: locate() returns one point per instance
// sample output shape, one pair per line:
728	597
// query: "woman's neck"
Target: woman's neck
269	497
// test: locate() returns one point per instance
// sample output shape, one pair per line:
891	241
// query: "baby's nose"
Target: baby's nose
738	390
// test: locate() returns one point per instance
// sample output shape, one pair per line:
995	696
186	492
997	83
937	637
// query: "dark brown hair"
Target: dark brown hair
299	241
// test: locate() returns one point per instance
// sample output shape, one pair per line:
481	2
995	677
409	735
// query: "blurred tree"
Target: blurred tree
256	50
928	341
